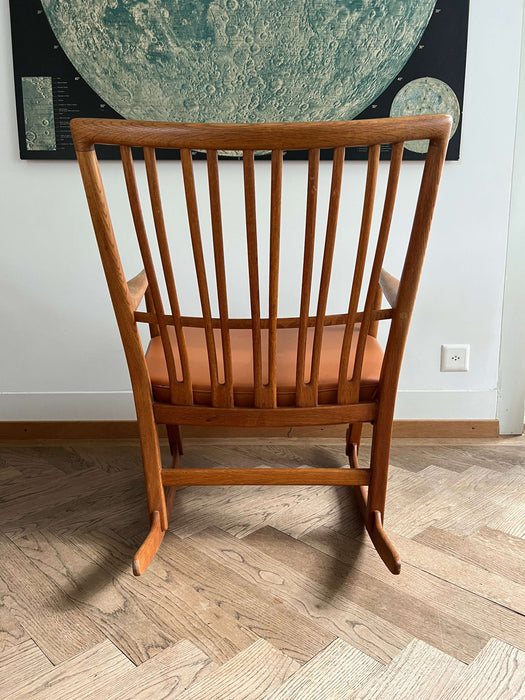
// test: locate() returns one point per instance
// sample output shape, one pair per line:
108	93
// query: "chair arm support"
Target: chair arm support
137	288
390	286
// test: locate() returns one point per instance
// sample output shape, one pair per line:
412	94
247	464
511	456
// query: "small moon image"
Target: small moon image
238	60
426	96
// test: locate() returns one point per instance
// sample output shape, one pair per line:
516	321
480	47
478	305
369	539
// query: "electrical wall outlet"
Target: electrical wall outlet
455	358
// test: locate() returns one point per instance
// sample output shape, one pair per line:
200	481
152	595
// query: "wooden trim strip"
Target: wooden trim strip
19	431
308	476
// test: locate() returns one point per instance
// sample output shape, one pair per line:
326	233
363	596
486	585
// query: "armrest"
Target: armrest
137	287
389	285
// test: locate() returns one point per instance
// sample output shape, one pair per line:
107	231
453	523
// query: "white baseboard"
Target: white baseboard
118	405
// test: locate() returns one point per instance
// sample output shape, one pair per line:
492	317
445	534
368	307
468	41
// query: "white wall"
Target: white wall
60	355
511	395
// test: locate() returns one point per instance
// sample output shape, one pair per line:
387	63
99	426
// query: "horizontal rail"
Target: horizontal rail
307	476
264	417
232	323
290	136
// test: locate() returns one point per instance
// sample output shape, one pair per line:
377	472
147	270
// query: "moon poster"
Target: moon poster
234	61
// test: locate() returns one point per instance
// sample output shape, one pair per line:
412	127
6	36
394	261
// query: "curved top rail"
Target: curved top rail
285	136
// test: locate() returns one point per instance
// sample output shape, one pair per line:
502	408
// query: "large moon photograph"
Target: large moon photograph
233	61
238	60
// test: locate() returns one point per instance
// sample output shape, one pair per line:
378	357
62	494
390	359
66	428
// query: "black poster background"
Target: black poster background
441	54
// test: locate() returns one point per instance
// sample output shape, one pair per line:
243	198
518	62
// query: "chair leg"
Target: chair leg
158	499
353	438
373	516
149	547
380	540
174	439
170	491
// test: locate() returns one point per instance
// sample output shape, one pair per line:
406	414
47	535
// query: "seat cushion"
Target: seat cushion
241	345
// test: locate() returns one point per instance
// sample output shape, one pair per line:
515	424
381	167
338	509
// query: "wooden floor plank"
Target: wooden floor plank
27	461
496	456
497	673
489	498
48	615
19	663
80	677
378	597
483	616
215	605
512	520
371	634
42	493
420	672
286	629
442	498
63	458
501	542
99	596
474	549
12	633
427	499
9	475
167	675
329	506
234	508
171	601
266	453
106	457
250	675
337	672
463	574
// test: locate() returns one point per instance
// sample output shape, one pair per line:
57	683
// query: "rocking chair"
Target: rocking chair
308	368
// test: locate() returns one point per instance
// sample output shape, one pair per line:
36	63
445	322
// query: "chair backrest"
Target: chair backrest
360	306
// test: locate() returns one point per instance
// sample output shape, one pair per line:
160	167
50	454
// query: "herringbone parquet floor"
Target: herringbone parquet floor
263	592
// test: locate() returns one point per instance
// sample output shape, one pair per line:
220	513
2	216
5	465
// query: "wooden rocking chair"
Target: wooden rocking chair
214	369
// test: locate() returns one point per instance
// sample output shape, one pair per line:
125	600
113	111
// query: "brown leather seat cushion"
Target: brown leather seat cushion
241	343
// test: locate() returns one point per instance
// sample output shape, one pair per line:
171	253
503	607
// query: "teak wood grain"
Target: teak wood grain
176	399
